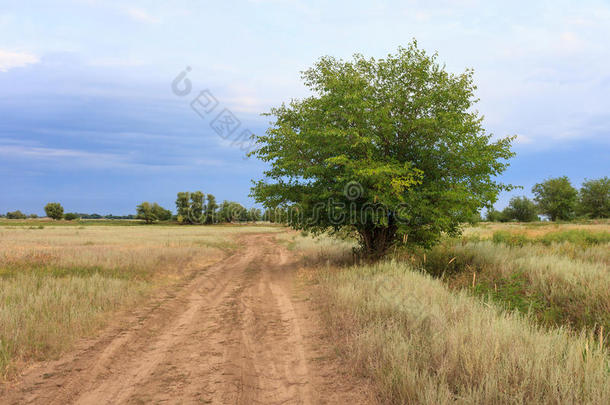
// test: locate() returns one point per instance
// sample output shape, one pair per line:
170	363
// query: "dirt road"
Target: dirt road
238	332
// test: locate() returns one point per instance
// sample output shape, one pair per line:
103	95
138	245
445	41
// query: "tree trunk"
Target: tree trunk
375	241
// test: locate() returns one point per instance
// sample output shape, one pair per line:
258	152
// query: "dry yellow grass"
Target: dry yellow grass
422	342
59	283
320	249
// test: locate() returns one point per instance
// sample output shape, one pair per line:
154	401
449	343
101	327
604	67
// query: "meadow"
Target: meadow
507	313
61	281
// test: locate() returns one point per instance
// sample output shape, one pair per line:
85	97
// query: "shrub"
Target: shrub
15	215
70	216
576	236
511	239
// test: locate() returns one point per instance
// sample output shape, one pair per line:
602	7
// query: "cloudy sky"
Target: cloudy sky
88	116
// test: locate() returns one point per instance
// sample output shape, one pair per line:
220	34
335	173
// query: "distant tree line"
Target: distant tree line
558	200
554	198
18	215
56	211
108	216
198	208
192	208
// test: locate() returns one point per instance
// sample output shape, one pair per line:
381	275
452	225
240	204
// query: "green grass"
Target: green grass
553	288
579	237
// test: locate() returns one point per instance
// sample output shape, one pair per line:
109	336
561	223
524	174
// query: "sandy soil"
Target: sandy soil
238	332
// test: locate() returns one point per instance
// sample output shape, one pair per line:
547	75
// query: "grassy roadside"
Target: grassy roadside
561	283
422	343
423	339
60	283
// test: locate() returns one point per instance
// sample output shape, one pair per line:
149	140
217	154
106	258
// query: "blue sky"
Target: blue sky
88	118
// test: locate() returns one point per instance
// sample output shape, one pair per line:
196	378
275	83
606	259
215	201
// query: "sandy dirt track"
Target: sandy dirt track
238	332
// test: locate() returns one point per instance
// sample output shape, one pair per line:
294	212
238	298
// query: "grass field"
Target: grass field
59	281
509	313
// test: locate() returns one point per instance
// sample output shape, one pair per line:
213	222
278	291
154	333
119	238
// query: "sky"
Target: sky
89	115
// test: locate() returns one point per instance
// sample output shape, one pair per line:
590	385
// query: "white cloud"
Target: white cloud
26	151
141	15
10	60
117	62
61	157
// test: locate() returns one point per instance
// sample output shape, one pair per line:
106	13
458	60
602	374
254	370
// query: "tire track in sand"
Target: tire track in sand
234	334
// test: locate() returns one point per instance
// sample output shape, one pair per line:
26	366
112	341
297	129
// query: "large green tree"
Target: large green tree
595	198
54	210
391	148
556	198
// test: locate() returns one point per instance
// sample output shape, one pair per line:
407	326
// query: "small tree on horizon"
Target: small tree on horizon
210	209
520	209
197	207
161	213
230	211
183	206
493	215
54	211
145	211
594	198
556	198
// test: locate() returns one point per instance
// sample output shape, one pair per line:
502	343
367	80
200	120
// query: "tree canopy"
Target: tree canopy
391	148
